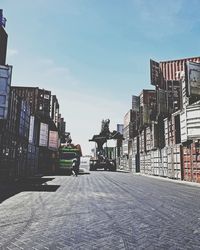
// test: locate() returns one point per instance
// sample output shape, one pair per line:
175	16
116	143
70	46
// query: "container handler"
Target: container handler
102	160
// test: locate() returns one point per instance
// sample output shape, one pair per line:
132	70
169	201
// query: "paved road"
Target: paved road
102	210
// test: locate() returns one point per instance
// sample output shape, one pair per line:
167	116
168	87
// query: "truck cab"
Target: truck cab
67	157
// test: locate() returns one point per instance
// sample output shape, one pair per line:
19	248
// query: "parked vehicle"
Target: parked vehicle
69	160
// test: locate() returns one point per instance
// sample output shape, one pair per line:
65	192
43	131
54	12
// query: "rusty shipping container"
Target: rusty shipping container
168	70
191	162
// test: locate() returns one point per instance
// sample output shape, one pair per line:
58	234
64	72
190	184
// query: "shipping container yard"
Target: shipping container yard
161	129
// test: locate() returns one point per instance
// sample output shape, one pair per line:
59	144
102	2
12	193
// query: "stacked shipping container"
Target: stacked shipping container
169	129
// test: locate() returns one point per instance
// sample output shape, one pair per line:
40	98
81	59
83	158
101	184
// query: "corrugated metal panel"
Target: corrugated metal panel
43	141
142	139
135	145
5	82
177	66
148	139
53	140
142	163
166	130
190	122
173	89
191	162
125	146
174	162
159	162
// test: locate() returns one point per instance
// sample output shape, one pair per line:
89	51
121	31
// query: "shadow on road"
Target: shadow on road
34	184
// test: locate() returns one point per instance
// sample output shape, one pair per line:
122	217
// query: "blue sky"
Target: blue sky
94	54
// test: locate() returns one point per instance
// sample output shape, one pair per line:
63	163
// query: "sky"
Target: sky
95	54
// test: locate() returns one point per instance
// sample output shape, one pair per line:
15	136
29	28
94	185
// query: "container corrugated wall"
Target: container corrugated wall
174	161
191	162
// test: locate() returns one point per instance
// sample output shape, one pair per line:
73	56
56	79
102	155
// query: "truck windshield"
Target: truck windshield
67	155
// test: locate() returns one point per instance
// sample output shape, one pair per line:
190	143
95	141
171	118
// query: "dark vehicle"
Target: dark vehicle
103	157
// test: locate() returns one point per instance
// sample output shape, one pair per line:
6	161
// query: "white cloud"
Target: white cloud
12	52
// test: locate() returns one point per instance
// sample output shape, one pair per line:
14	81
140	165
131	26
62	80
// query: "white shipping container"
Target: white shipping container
31	129
148	139
159	162
142	139
190	122
44	129
174	162
166	129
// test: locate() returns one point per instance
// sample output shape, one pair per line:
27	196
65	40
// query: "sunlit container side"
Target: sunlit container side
148	168
142	163
159	162
166	129
5	82
190	122
154	161
164	152
174	161
149	138
142	141
128	118
44	132
125	147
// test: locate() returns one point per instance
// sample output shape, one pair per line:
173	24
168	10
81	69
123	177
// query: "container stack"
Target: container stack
169	123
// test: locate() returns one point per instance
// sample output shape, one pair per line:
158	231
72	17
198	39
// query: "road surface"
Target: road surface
101	210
